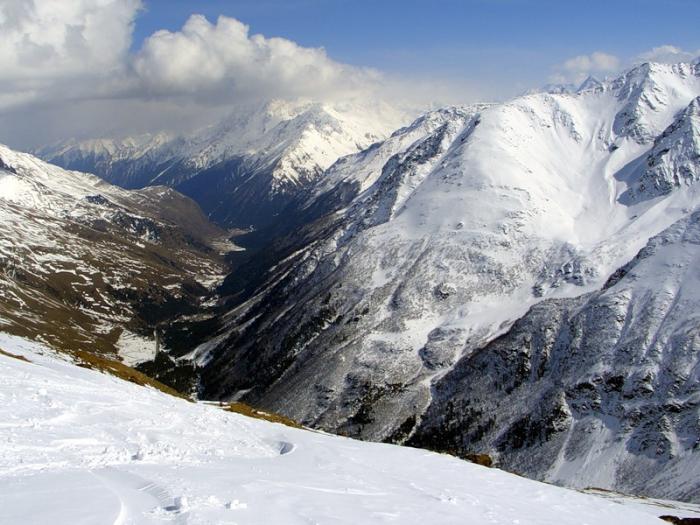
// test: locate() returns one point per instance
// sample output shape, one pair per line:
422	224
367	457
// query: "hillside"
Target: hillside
62	460
86	266
246	168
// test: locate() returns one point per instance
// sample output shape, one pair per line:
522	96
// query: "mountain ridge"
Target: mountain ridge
445	235
365	304
266	153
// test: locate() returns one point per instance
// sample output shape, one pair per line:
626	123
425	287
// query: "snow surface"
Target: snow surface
80	447
135	349
651	505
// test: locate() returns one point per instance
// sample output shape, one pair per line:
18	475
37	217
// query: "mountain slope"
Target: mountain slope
91	267
599	390
437	240
243	170
175	461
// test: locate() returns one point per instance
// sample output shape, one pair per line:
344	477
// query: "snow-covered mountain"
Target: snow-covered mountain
245	169
597	390
130	162
425	249
590	82
63	460
87	266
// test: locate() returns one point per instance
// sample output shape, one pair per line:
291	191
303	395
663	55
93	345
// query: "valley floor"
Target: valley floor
80	447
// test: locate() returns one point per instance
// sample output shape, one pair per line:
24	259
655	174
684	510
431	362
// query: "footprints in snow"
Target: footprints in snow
181	505
141	499
285	447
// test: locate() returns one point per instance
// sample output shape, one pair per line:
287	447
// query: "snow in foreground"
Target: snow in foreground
80	447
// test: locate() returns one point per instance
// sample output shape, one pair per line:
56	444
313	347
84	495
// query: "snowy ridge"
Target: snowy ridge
455	227
257	156
134	147
300	138
175	461
649	90
673	161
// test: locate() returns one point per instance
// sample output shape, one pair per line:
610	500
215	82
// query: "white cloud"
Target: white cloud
575	70
45	40
53	51
224	59
668	54
67	68
65	64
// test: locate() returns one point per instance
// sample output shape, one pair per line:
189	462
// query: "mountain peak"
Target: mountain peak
590	83
649	91
553	88
272	149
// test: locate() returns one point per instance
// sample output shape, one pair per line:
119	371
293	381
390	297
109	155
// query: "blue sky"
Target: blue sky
520	41
421	53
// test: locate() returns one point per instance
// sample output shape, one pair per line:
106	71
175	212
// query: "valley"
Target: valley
514	281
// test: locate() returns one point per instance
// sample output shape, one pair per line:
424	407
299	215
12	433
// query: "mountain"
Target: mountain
89	267
406	259
245	169
590	83
64	461
552	89
597	390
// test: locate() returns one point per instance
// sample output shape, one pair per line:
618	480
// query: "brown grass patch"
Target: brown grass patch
480	459
120	370
15	356
247	410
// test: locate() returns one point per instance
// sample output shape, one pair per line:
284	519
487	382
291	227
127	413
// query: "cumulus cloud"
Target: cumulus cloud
64	62
225	59
575	70
79	49
668	54
47	40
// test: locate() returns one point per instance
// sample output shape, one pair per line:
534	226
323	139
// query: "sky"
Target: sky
515	41
81	68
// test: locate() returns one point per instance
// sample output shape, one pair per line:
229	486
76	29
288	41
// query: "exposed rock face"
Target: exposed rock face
426	248
645	92
674	159
517	280
599	390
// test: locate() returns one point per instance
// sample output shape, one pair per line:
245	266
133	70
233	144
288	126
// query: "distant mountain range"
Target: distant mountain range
243	170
